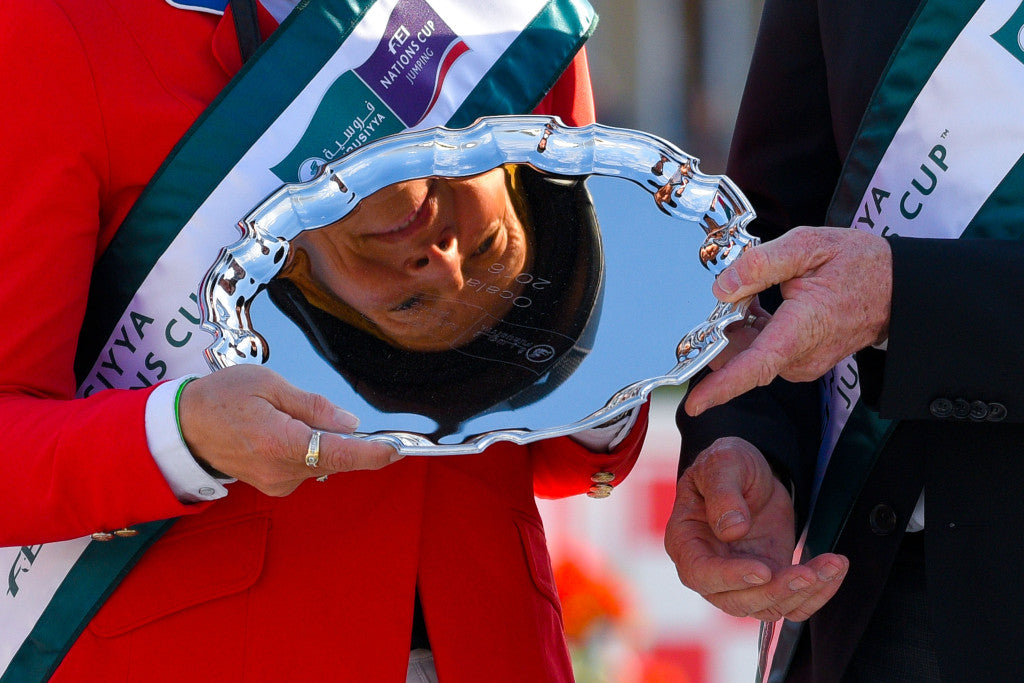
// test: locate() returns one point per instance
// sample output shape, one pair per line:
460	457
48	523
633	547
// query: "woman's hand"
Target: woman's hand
249	423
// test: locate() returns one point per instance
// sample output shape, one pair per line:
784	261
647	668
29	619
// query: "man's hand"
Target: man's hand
837	288
731	536
249	423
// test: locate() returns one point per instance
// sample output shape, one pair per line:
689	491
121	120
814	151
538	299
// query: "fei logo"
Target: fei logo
395	88
398	39
1011	35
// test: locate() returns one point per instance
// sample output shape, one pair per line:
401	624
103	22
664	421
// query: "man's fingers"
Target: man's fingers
782	342
771	601
712	491
748	369
740	336
742	333
707	573
797	592
767	264
829	572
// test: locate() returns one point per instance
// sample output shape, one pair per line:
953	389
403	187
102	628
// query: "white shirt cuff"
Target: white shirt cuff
189	482
916	522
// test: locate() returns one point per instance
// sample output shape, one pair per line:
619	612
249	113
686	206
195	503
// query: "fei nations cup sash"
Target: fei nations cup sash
336	75
939	152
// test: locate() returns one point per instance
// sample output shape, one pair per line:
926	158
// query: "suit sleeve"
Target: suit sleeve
783	157
954	332
71	467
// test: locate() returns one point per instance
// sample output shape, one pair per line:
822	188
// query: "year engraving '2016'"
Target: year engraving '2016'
526	282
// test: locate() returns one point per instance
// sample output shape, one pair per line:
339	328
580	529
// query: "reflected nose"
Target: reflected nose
440	265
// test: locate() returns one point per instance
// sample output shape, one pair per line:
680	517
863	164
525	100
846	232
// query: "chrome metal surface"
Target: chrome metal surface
666	230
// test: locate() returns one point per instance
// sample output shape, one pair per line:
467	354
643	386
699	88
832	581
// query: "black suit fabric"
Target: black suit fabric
955	333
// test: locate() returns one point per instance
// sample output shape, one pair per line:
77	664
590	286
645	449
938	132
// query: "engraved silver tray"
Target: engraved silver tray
661	231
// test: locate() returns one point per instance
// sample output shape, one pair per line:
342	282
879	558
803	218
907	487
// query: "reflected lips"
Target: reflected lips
417	219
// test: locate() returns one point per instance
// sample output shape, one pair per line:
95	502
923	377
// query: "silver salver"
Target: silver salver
588	286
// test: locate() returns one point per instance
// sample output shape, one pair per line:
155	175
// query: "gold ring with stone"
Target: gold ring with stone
313	452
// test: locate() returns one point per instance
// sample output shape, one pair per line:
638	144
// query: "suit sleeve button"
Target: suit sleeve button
996	412
941	407
102	536
600	491
603	477
882	519
961	409
979	411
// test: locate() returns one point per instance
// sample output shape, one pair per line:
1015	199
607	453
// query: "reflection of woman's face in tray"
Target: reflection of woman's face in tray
424	260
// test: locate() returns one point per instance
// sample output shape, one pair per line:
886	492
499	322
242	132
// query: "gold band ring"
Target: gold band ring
313	451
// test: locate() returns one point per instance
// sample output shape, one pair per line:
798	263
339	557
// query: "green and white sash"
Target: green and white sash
940	147
336	75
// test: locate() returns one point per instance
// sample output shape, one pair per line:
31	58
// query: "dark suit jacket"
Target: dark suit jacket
953	335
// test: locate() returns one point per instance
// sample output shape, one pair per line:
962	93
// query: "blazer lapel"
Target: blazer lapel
208	6
225	40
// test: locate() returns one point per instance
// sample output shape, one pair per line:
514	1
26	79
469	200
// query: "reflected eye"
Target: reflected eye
486	245
409	304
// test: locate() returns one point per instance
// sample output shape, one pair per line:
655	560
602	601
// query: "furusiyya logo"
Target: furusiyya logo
396	87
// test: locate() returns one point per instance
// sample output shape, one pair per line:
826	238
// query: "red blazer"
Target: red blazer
318	585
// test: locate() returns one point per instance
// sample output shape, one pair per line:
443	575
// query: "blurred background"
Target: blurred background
674	68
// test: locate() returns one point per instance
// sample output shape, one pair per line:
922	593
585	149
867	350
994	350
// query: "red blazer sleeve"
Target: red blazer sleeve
70	467
562	467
